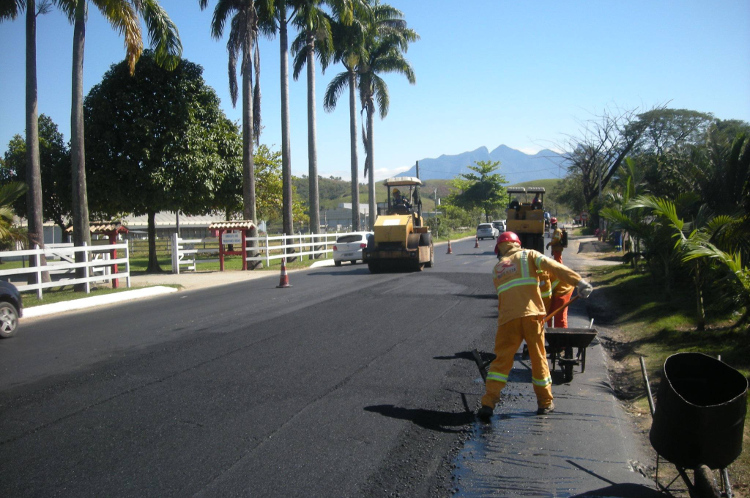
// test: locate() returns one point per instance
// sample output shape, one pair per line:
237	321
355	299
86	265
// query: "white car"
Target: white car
500	225
349	247
487	231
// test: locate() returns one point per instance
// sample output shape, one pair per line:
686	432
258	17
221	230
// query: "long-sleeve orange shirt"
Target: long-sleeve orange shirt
516	279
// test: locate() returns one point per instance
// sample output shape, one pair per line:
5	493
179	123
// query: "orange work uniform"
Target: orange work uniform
556	245
520	314
560	294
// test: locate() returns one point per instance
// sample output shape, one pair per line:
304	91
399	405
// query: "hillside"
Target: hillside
336	191
515	165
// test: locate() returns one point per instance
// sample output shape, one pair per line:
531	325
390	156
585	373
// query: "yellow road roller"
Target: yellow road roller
401	240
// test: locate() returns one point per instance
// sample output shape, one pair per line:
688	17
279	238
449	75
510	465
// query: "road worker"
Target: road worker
399	201
559	296
520	315
556	242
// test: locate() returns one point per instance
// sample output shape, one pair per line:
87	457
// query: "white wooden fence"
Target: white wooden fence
184	251
61	260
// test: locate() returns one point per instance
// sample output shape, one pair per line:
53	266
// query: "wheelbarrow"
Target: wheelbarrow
562	341
698	420
560	344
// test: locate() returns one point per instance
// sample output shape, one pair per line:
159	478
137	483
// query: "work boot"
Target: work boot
485	413
546	410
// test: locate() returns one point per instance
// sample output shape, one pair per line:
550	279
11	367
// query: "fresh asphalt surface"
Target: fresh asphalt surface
345	384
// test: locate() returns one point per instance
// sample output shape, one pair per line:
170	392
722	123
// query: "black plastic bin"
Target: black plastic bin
700	412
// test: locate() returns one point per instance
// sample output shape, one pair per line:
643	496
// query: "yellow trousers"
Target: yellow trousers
508	339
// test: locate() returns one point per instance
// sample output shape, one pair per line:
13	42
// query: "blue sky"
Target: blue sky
526	74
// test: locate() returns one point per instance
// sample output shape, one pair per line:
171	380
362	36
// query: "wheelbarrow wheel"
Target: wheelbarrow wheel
582	355
568	365
705	484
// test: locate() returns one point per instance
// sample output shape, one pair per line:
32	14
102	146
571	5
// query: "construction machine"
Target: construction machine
525	217
400	239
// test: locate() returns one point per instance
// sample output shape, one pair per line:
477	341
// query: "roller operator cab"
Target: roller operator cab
400	239
525	216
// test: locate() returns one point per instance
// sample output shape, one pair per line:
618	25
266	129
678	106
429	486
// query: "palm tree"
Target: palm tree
315	38
385	55
273	15
123	15
349	41
243	37
9	9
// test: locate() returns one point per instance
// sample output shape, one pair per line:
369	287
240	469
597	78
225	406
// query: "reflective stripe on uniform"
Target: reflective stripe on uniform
497	376
525	278
542	382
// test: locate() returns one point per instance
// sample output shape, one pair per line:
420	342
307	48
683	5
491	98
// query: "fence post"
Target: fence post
37	260
175	255
127	264
86	273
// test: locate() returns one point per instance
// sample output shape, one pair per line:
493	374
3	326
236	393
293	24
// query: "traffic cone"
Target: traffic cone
284	280
476	244
450	251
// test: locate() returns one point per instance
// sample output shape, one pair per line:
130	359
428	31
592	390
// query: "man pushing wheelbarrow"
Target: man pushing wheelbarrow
520	317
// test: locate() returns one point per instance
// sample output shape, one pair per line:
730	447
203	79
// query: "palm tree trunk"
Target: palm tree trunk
33	168
371	158
248	163
312	152
353	139
81	233
286	147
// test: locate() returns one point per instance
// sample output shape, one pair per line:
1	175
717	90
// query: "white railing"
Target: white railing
184	251
303	245
97	264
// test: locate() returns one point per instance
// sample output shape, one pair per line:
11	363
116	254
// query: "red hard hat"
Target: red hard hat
508	237
553	220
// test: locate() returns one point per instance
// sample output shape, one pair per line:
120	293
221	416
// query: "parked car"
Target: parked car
500	225
487	231
11	309
349	247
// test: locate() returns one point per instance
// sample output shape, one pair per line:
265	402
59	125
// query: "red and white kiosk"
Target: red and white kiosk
232	233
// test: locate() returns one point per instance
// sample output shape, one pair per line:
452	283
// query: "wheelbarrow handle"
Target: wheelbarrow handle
561	308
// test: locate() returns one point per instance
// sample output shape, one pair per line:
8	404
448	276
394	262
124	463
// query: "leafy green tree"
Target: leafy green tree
9	233
157	142
481	189
385	54
124	16
55	170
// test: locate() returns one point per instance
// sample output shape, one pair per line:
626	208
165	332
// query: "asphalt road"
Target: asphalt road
345	384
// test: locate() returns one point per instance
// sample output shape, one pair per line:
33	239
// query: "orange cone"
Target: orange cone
284	280
476	245
450	251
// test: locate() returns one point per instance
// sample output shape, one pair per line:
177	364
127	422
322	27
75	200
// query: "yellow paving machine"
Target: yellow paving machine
525	216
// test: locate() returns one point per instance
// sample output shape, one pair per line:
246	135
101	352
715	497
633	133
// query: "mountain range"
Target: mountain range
515	166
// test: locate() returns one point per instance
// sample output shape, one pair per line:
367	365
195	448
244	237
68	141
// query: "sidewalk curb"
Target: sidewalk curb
88	302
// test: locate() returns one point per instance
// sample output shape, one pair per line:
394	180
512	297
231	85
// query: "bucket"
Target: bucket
700	412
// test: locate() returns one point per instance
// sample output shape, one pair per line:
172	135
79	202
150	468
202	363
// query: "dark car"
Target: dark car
11	308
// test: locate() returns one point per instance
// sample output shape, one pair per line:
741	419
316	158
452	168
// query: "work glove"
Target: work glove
584	289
